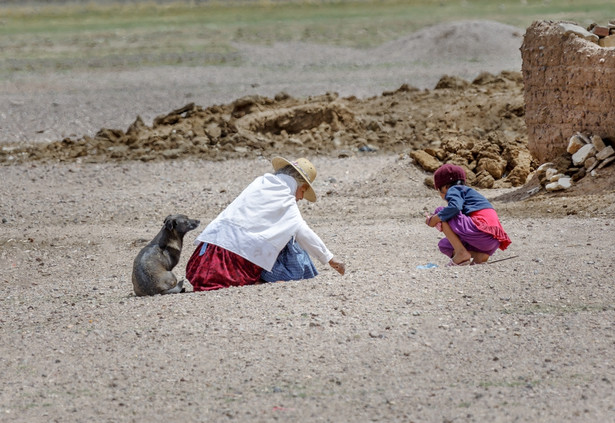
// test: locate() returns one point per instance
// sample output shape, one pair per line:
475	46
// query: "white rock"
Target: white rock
560	184
543	167
574	144
584	138
606	162
598	143
550	173
591	163
579	30
556	177
605	153
583	154
565	182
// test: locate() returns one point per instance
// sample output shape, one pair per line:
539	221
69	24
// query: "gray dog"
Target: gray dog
151	271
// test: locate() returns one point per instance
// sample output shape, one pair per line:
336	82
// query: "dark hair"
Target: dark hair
457	182
460	182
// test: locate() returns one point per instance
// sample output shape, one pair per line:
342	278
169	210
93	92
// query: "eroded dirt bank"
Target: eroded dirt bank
476	123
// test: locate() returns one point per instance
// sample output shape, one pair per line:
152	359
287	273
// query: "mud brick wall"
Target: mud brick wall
569	86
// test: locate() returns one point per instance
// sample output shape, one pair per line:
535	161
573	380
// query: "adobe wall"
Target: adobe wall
569	86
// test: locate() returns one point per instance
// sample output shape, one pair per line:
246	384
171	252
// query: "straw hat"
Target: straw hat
305	168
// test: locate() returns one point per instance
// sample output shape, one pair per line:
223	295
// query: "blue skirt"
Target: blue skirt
293	263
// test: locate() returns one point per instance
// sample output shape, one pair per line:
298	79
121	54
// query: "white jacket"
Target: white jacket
260	222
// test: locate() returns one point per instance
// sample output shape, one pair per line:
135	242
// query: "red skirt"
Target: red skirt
487	220
219	268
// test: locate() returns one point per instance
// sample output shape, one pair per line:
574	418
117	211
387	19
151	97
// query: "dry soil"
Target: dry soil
528	338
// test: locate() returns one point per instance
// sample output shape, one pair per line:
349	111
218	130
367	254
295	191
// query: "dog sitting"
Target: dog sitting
151	270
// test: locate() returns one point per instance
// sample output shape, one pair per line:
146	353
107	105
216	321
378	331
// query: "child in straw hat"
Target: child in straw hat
472	227
261	235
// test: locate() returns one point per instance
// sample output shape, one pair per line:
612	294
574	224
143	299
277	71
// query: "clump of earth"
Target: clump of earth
477	124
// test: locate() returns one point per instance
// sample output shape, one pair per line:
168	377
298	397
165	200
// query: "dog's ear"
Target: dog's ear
169	223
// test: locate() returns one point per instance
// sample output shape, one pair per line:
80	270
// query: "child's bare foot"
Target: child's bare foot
460	258
479	258
463	263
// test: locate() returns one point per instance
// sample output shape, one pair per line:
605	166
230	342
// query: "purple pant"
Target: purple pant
471	237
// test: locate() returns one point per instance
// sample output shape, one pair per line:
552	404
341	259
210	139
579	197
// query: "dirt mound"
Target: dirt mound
457	42
493	154
486	114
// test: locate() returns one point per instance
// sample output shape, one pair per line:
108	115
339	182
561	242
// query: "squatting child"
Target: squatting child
471	225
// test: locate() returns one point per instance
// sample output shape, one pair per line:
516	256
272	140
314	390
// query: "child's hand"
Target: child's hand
429	221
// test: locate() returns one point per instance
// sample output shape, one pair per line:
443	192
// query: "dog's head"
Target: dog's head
180	223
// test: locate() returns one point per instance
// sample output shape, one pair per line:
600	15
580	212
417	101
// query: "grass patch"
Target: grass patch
111	34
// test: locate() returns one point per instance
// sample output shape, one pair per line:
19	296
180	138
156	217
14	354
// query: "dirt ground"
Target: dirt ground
528	338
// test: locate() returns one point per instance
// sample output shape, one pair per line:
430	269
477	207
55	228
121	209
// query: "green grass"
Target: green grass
110	35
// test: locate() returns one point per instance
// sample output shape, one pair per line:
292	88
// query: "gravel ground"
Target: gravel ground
524	339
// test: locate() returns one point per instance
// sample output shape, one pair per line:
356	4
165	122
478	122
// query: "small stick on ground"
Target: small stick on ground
506	258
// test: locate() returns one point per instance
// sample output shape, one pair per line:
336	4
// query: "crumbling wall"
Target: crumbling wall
569	87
